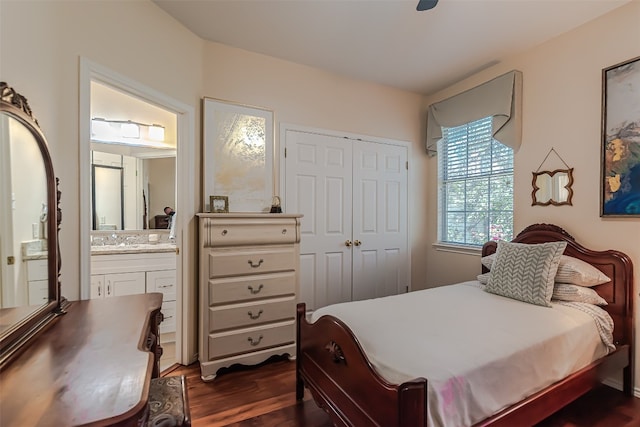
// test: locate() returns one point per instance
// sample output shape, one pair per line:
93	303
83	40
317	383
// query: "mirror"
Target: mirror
29	256
133	174
552	188
130	192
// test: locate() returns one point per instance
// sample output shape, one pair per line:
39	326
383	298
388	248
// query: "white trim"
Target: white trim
185	200
458	249
280	175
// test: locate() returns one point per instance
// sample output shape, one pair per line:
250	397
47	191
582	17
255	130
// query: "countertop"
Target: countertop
135	248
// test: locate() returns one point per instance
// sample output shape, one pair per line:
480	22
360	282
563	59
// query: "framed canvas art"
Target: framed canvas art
620	161
238	155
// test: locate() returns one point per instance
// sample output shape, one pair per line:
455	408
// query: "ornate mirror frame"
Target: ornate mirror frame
25	325
535	201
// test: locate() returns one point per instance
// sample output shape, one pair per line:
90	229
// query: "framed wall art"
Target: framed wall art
620	161
238	155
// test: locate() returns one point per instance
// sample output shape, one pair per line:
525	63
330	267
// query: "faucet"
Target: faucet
115	238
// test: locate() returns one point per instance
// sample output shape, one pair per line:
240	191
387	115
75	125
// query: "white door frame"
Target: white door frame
185	297
8	276
281	166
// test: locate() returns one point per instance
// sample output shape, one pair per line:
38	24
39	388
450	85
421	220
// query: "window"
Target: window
475	185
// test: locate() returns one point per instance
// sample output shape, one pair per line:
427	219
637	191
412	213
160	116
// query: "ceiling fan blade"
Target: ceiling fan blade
426	4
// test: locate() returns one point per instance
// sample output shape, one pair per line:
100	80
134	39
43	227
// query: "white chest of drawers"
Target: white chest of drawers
249	273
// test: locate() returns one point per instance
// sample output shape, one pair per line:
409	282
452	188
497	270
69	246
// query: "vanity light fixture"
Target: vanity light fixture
130	130
156	132
115	130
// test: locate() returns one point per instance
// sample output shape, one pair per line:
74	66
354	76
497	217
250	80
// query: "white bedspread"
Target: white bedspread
479	352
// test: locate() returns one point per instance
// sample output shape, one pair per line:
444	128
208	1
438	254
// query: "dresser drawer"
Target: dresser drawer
169	317
232	232
247	288
251	261
251	313
251	339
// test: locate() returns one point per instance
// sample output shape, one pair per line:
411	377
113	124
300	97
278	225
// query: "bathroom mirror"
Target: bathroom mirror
29	256
129	188
552	187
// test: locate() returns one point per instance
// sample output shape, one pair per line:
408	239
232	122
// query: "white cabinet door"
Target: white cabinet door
111	285
38	281
318	186
125	284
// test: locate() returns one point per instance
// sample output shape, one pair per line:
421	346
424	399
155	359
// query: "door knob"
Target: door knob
357	242
348	243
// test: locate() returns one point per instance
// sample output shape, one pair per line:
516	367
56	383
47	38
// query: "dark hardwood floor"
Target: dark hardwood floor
265	396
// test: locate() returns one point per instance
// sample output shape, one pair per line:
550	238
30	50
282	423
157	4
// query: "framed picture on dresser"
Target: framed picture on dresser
219	204
238	155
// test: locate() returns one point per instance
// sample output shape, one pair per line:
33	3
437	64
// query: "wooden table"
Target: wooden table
93	366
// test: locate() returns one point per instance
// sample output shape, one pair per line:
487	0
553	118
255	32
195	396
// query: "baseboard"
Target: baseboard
617	384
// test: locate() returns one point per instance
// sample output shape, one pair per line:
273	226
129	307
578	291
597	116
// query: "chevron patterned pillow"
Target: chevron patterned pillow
525	272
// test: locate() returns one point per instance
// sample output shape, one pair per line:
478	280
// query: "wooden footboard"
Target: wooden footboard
332	365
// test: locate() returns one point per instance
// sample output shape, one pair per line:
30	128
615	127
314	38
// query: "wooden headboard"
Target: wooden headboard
616	265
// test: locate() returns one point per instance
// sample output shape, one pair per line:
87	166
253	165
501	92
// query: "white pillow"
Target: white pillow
570	270
484	278
525	272
575	293
577	272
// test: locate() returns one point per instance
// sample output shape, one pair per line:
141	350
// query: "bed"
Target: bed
357	389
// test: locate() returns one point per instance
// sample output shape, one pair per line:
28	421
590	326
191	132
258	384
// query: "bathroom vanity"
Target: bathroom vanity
137	269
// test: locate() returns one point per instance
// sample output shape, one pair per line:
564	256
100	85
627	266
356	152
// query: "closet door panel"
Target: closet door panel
380	259
318	184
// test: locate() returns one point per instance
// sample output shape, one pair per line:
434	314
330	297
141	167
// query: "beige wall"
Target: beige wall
306	96
162	184
561	109
40	46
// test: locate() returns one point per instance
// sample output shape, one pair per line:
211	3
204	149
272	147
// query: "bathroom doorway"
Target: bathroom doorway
128	127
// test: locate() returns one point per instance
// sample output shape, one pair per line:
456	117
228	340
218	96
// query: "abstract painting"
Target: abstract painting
620	171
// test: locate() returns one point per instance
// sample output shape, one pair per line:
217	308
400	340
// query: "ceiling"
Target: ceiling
387	41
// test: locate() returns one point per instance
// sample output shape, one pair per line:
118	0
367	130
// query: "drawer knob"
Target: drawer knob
255	265
224	232
250	313
254	342
284	231
255	291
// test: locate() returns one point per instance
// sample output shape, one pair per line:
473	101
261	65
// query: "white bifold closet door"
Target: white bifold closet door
353	195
